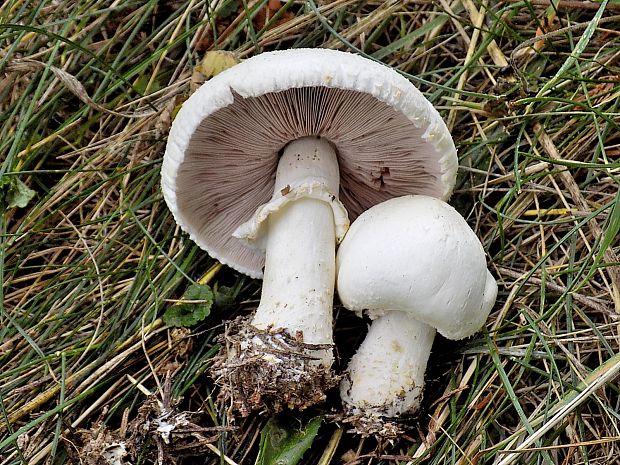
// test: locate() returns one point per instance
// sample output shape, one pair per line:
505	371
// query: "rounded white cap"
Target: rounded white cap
224	144
416	254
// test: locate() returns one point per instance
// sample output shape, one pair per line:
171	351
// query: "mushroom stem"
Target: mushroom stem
300	262
298	284
283	357
385	377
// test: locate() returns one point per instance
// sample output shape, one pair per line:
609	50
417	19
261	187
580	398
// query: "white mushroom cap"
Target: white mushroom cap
416	254
224	144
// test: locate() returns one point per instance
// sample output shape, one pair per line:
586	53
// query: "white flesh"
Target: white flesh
386	375
300	263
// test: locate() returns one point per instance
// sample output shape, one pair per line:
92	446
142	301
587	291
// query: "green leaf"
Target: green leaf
226	296
14	193
194	307
284	442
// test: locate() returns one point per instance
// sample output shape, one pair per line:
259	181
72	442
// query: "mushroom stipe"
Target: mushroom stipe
269	371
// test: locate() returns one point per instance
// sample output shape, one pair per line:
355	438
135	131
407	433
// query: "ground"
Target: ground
91	259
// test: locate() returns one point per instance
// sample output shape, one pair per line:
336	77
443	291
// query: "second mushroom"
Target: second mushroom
414	266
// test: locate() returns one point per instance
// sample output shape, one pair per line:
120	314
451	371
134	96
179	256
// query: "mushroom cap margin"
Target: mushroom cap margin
416	254
277	71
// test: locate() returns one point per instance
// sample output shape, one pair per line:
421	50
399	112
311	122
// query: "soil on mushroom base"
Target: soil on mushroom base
269	370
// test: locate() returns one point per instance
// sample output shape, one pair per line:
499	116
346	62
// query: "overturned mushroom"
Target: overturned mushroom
262	165
414	266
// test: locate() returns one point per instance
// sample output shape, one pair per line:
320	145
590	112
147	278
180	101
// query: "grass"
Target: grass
88	89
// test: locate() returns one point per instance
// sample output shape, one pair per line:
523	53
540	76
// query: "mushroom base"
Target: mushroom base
269	370
370	425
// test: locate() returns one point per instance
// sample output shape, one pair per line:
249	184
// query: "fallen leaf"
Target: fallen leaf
212	64
14	193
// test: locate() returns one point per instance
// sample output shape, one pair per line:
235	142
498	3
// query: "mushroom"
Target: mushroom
414	266
263	166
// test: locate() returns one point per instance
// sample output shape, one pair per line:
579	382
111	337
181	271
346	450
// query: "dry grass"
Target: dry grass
87	93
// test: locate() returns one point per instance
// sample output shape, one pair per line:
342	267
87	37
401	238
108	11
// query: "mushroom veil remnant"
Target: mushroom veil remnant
415	267
264	166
